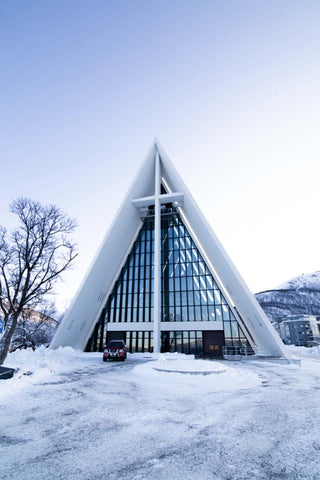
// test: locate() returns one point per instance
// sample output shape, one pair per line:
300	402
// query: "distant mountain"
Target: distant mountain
300	295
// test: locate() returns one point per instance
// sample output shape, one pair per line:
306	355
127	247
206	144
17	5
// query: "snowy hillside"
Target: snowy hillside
300	295
305	281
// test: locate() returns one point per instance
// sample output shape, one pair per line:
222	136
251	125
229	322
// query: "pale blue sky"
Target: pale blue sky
230	89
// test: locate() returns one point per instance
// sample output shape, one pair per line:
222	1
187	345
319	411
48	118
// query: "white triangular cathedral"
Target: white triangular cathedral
162	281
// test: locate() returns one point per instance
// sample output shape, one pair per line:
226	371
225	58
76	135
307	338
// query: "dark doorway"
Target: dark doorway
165	342
213	341
116	336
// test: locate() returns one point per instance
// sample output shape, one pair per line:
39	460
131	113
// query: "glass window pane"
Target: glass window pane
192	340
184	298
217	298
198	314
218	314
179	341
177	298
210	297
190	298
227	332
199	343
191	313
204	299
197	297
184	314
211	312
204	311
225	312
202	268
234	330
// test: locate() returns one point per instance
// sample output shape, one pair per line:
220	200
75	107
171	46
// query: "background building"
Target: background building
300	330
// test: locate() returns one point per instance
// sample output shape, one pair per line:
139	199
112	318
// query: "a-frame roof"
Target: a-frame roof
86	307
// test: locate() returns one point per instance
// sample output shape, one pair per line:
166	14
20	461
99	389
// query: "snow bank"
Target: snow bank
62	360
305	352
168	371
187	364
33	366
180	371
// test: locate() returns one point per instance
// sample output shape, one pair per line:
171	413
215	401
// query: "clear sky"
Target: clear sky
230	89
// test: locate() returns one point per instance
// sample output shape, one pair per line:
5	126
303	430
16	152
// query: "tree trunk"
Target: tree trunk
5	341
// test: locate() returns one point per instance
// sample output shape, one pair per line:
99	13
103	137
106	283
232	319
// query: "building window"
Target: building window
188	290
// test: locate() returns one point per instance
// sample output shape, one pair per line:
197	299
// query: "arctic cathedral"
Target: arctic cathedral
163	282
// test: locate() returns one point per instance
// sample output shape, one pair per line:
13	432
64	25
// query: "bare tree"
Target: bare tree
34	328
31	261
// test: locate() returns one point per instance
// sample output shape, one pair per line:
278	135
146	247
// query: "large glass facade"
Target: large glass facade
189	342
189	291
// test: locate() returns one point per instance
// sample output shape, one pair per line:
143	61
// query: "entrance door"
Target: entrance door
165	342
116	336
213	341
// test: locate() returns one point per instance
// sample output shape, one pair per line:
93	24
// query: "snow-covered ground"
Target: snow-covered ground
67	415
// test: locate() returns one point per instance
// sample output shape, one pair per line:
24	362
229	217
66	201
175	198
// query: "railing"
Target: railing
234	351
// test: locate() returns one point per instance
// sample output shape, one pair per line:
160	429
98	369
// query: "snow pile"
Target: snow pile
33	366
62	360
305	352
179	363
166	370
177	371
